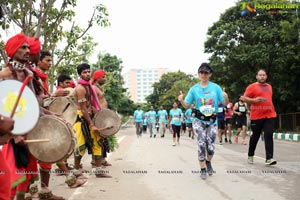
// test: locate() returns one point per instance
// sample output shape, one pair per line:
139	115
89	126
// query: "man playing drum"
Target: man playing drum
87	133
98	81
43	65
18	50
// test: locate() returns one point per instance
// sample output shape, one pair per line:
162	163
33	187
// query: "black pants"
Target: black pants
267	126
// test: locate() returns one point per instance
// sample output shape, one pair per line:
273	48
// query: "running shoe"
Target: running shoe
203	174
271	162
210	170
226	140
244	142
230	142
236	140
250	160
220	143
174	144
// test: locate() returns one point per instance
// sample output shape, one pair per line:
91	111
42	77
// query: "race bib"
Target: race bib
220	110
176	120
207	110
242	109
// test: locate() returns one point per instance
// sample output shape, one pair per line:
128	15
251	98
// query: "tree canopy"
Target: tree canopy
242	44
166	91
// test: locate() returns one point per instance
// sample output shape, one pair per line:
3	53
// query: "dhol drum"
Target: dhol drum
61	137
28	110
108	122
63	105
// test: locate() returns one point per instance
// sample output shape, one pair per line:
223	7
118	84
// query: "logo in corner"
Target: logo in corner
246	9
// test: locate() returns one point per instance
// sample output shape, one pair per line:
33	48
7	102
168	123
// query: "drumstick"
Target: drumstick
105	128
36	140
20	94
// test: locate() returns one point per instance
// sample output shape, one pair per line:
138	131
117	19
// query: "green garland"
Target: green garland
112	143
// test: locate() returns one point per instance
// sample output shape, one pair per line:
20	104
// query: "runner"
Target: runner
206	95
163	119
175	119
240	109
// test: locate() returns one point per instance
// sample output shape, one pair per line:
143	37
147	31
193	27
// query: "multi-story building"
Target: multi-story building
139	82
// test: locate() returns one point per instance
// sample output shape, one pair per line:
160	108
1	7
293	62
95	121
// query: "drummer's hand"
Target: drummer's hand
58	114
94	129
61	93
6	125
20	140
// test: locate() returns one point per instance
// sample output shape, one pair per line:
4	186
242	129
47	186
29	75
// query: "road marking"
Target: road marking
119	141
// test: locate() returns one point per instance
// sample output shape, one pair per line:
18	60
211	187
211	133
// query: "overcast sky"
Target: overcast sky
156	33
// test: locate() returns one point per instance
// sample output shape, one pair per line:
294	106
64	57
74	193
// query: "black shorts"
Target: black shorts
228	121
189	125
241	121
221	124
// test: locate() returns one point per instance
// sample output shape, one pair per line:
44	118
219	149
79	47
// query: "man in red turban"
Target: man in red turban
35	45
14	43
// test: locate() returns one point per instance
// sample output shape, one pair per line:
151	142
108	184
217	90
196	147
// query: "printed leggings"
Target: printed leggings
206	135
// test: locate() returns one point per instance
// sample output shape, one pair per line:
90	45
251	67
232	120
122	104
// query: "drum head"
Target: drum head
107	118
28	110
65	106
54	129
71	91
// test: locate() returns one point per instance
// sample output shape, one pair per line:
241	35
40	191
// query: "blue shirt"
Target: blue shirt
176	116
138	114
145	121
206	99
162	115
188	114
152	116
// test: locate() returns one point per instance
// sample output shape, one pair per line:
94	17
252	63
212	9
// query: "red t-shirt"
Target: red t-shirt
260	109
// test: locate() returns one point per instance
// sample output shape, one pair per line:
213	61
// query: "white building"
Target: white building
139	82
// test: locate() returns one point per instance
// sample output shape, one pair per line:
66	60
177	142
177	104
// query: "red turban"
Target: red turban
98	74
14	43
35	45
72	84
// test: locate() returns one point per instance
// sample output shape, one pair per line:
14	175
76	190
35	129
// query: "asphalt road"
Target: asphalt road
152	169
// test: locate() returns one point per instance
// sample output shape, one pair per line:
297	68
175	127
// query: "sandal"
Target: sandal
103	176
105	163
78	183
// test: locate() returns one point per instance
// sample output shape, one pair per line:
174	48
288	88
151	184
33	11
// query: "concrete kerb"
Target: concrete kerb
280	136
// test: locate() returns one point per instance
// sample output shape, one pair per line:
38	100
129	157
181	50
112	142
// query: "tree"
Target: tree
48	20
114	91
242	44
166	91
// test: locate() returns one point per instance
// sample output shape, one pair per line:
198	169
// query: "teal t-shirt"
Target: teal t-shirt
188	114
139	114
152	116
176	116
206	99
162	116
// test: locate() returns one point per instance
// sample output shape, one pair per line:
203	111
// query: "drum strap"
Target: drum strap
86	133
35	84
21	155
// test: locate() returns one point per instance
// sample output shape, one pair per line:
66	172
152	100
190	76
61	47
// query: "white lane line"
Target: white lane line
78	190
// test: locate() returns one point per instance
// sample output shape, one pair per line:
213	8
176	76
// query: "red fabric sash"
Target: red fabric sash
43	77
95	100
